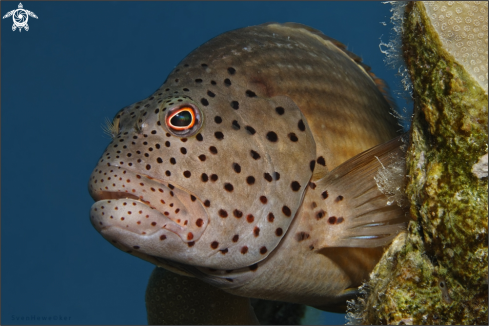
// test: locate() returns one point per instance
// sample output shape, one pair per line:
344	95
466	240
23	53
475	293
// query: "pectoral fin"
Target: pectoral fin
361	202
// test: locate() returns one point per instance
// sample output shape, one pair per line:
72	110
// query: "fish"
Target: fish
252	168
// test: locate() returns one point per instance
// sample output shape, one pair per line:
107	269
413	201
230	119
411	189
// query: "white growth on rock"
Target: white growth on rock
479	169
390	180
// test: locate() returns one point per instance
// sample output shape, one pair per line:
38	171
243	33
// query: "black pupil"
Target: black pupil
181	119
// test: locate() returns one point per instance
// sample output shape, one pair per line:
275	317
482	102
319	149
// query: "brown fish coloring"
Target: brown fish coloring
251	168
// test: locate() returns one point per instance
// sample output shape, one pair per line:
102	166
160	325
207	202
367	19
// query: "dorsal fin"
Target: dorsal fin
381	84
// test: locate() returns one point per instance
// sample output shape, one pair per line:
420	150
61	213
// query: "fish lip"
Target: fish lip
140	193
103	195
106	195
118	195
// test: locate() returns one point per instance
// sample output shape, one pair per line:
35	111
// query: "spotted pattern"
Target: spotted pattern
246	194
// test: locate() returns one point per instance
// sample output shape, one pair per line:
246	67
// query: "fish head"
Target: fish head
207	171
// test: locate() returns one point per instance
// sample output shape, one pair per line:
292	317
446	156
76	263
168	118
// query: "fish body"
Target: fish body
244	168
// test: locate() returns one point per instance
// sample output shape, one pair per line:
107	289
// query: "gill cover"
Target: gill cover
242	176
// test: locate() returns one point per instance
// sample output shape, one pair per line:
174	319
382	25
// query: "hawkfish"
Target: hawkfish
253	168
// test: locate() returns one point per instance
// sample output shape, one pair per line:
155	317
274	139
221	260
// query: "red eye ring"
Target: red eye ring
173	114
181	119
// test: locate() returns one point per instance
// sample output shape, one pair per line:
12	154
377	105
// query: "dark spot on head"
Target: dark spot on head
214	177
223	213
236	125
207	203
227	82
211	94
300	236
213	150
250	130
183	150
250	218
250	93
338	199
244	250
186	174
236	167
202	157
159	160
136	247
204	177
320	214
301	125
217	119
250	180
199	137
280	110
295	186
213	82
190	236
286	210
224	251
321	161
235	238
192	198
167	144
253	267
231	70
229	187
173	161
235	105
332	220
263	199
276	175
237	213
198	80
272	136
219	135
278	232
271	217
255	155
339	220
214	244
263	250
204	65
162	237
312	185
199	222
293	137
148	167
312	164
267	177
324	194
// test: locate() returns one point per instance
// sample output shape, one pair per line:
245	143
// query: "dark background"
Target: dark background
79	63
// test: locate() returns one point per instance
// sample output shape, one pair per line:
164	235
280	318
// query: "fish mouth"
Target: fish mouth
134	209
106	195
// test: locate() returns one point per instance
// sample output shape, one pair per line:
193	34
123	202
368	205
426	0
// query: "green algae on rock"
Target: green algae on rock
437	273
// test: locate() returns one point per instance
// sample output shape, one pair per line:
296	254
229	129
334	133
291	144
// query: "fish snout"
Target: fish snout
139	212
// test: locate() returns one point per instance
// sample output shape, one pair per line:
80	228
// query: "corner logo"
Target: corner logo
20	17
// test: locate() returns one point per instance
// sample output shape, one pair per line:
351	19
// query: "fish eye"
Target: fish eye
183	120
